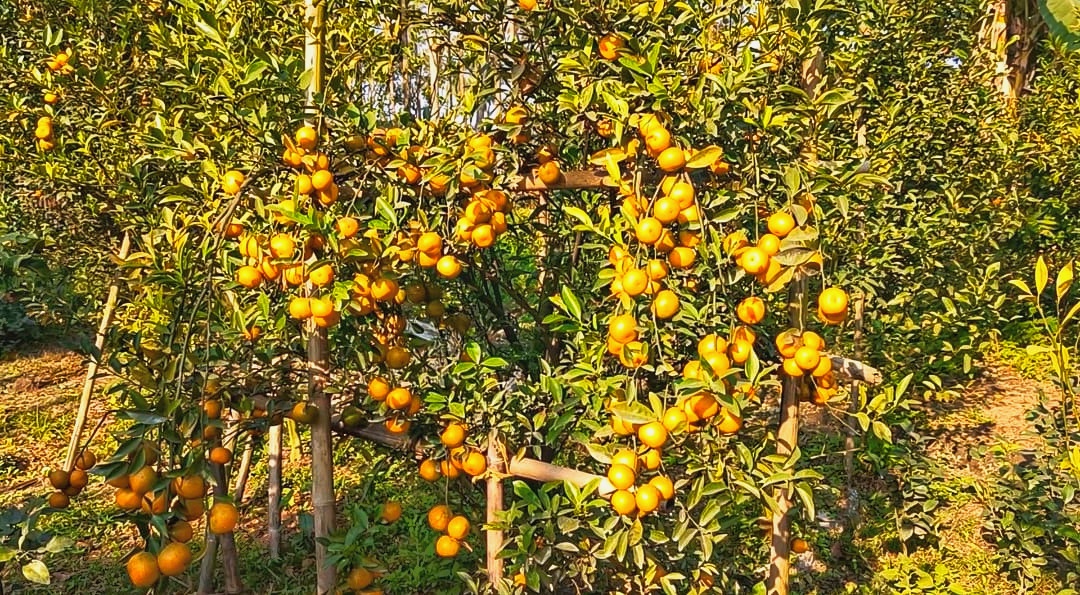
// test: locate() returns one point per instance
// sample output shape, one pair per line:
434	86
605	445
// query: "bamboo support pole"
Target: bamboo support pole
243	470
273	490
494	537
853	407
92	368
322	460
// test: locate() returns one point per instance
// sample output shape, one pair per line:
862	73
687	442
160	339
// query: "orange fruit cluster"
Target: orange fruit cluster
69	484
803	356
628	499
455	529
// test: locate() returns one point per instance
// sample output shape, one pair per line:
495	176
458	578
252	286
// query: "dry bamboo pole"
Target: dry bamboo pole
206	568
787	438
494	509
243	471
273	490
322	461
91	370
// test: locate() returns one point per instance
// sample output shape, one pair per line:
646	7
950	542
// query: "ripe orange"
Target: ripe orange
453	436
729	422
622	427
666	242
398	425
663	485
751	310
306	137
232	181
223	517
127	499
174	559
647	498
754	261
648	230
59	500
807	358
623	328
399	398
620	476
682	257
657	269
700	406
666	209
740	351
626	457
799	546
683	193
384	289
610	45
780	224
303	185
483	236
439	516
718	363
653	434
833	301
657	140
671	159
812	340
378	388
321	307
269	270
248	276
282	246
791	367
665	304
142	570
429	470
634	354
711	343
623	502
321	180
181	531
549	173
650	459
300	308
391	512
220	455
86	460
190	510
430	243
447	547
359	578
634	282
448	267
322	275
143	480
449	469
458	527
192	486
769	243
474	463
787	343
674	420
824	367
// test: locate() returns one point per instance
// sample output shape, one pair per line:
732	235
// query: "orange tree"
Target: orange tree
575	225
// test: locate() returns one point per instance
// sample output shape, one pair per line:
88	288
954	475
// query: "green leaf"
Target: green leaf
1042	275
6	554
1064	281
1063	19
36	571
580	215
570	302
705	157
635	413
58	543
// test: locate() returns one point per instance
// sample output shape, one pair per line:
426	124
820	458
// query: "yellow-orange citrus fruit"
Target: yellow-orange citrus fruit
729	422
671	159
833	301
648	230
447	547
700	406
650	459
474	463
754	260
647	498
453	436
751	310
429	470
359	578
791	367
620	476
769	243
59	500
223	517
682	257
397	358
674	420
740	351
458	527
448	267
192	486
799	546
143	480
378	388
232	181
663	485
300	308
248	276
665	304
173	559
439	517
347	227
306	137
666	209
142	570
780	224
623	502
653	434
609	46
627	457
622	427
549	173
181	531
812	340
807	359
391	511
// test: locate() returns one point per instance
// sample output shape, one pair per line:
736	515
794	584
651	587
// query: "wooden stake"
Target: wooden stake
494	509
853	407
91	370
273	491
243	471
